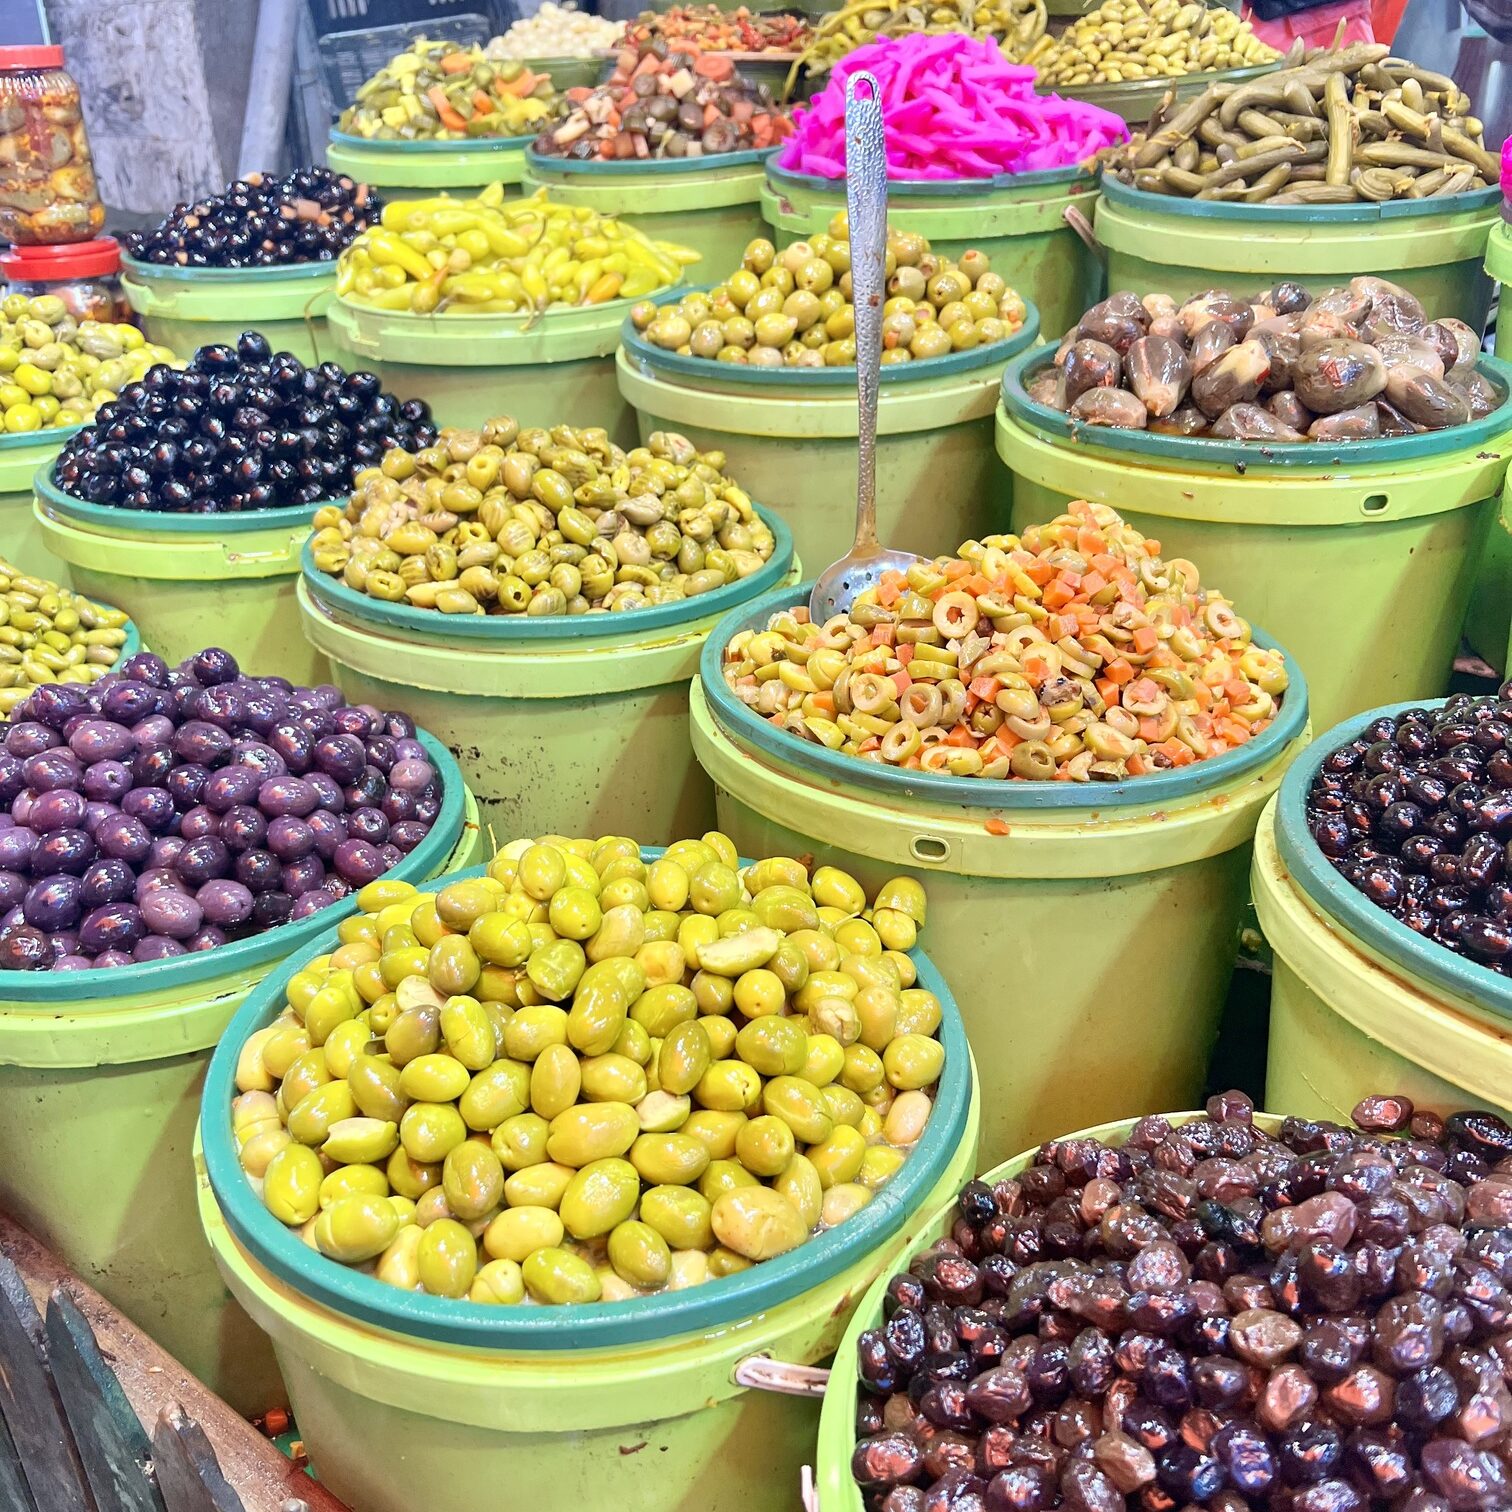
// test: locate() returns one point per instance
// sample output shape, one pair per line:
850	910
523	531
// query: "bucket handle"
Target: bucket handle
808	1492
1079	223
760	1372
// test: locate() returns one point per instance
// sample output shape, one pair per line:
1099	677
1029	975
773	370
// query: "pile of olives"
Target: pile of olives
509	521
56	371
793	308
581	1076
50	634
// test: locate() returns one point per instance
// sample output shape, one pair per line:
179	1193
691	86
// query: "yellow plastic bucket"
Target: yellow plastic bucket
190	581
1488	620
1434	247
835	1486
187	308
100	1078
711	204
1018	220
419	170
789	436
542	369
572	725
20	535
1359	1002
1098	933
1353	548
405	1401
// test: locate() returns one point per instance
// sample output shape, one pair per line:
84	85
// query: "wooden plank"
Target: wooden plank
151	1378
112	1444
188	1474
30	1404
14	1492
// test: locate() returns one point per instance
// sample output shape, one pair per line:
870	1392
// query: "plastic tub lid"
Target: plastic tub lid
718	1303
1381	933
89	259
896	785
36	56
1242	455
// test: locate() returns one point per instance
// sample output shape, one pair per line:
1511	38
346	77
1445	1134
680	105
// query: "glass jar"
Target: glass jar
86	276
47	182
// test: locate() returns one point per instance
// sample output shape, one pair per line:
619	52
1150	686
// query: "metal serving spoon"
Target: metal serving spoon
866	199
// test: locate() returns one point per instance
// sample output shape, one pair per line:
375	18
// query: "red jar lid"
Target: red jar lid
91	259
30	57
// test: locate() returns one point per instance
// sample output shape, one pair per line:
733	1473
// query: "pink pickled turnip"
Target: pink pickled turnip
953	108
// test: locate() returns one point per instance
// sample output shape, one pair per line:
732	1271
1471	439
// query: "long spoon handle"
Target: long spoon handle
866	200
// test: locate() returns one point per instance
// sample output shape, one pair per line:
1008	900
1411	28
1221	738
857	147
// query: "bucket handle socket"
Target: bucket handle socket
761	1372
930	850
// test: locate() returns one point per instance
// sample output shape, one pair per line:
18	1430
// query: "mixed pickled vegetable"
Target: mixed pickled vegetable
711	29
1073	652
51	634
1350	364
485	257
793	308
584	1076
510	521
442	91
48	191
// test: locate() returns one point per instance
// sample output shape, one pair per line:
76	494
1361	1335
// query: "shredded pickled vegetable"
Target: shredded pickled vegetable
953	108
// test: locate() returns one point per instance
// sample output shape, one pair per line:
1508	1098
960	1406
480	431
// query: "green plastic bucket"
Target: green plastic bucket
186	308
546	369
568	73
1489	618
20	535
1499	268
1434	247
1123	901
1355	548
407	1401
1018	220
789	437
1135	100
836	1489
100	1078
420	170
574	725
1359	1002
190	581
710	204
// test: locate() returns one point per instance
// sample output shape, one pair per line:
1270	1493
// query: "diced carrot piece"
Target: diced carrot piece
906	653
742	110
1107	690
1146	639
1119	671
1237	690
985	688
824	701
716	66
956	569
1137	766
1149	728
520	87
888	593
1036	668
1038	572
1056	596
884	635
445	111
1089	541
901	680
871	743
481	102
996	826
1093	582
455	63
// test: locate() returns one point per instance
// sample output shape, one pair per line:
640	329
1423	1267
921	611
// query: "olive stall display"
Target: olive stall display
506	520
583	1077
1345	126
667	101
241	429
56	371
1414	814
483	256
443	91
262	221
160	811
1217	1313
51	634
1352	363
793	308
1071	652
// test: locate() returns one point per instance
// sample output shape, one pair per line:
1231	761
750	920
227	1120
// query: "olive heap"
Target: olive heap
51	634
1415	813
793	308
164	810
1350	364
511	521
1074	651
584	1077
1211	1316
240	429
310	215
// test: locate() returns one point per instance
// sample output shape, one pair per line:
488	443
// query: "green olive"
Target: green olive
498	1093
556	1079
352	1141
757	1222
291	1184
685	1057
602	1194
640	1255
558	1276
799	1105
765	1145
429	1132
518	1232
532	1029
356	1229
724	1176
539	1185
801	1185
775	1046
612	1078
500	1282
520	1141
447	1259
473	1179
673	1159
592	1131
434	1078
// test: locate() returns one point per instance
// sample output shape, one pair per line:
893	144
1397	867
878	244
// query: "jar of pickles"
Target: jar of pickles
47	182
86	276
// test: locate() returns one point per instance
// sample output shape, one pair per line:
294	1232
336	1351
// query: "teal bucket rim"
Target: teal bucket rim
147	272
716	1304
785	381
555	632
945	189
1429	445
54	436
643	167
482	147
1193	83
1327	890
58	988
114	517
1116	192
1018	795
